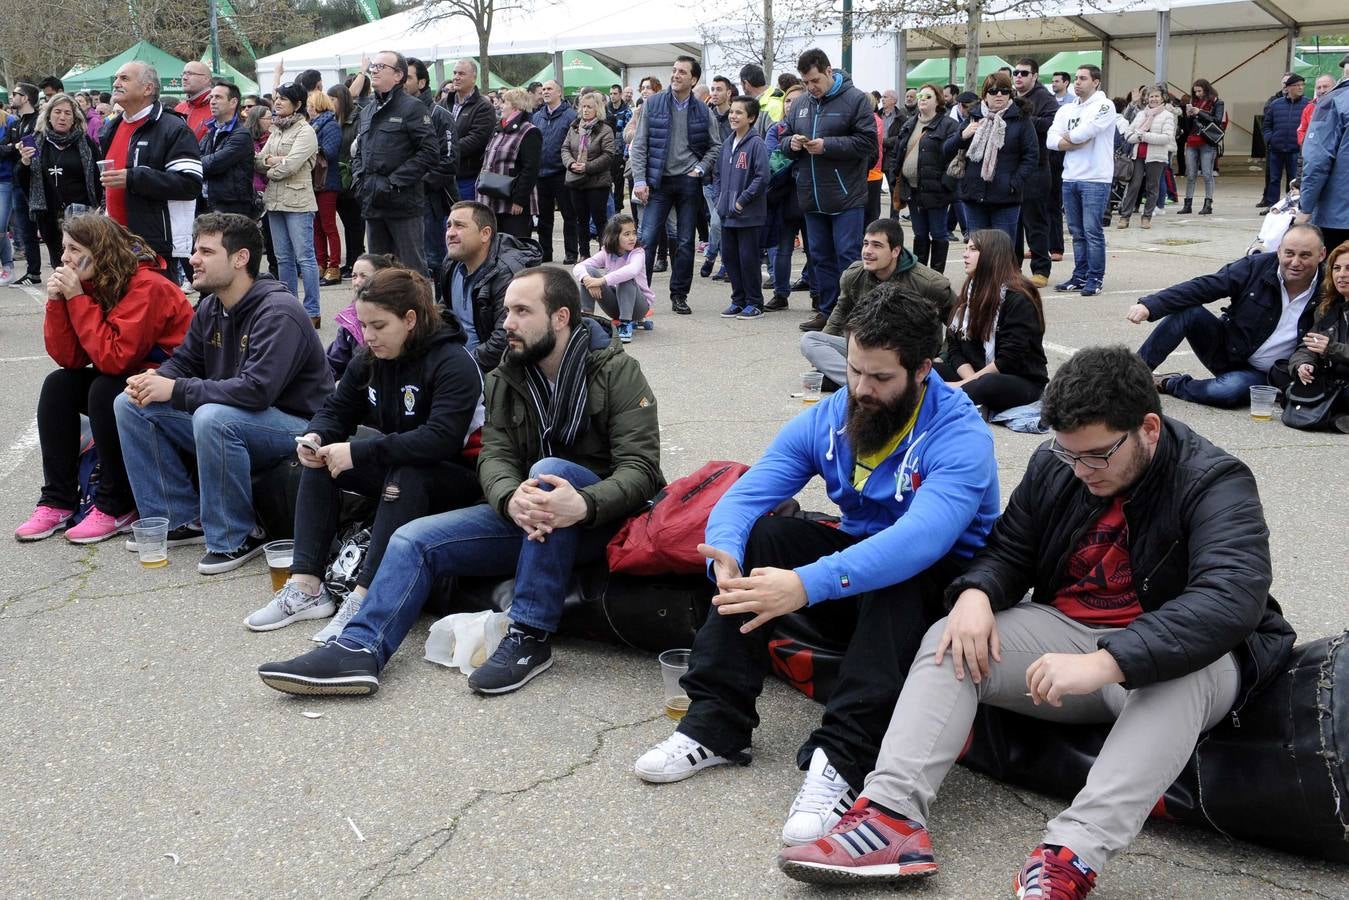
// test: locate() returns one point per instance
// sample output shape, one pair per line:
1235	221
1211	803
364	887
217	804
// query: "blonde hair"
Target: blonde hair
319	102
518	98
44	116
592	98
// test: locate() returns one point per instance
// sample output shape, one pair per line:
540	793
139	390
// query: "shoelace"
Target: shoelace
851	818
1060	880
817	795
678	745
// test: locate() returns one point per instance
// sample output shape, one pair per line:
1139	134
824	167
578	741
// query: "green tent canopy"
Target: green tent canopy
1068	61
245	84
938	71
496	83
99	78
579	70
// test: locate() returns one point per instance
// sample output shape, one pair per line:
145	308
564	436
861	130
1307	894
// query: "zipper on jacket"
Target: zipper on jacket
1165	557
697	488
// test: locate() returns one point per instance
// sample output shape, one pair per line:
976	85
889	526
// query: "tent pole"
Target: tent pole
901	60
1105	61
952	55
557	70
1163	44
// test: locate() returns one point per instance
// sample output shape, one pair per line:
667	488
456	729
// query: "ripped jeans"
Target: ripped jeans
404	493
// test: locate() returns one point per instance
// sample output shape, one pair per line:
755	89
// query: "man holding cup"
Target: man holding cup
1272	298
910	464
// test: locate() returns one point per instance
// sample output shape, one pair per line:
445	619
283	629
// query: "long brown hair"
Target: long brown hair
1329	295
115	253
982	292
399	291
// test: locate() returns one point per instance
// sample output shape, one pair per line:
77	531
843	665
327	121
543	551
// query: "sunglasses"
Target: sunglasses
999	90
1023	73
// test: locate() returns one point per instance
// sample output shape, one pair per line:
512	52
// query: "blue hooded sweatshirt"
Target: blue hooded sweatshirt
937	494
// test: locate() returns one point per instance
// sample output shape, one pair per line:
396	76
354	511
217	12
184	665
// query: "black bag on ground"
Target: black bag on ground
1312	406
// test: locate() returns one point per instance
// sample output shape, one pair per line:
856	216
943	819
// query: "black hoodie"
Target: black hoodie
262	353
424	404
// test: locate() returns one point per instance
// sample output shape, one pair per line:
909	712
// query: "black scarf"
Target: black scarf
561	410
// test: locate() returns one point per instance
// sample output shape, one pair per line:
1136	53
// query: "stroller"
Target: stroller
1276	221
1119	185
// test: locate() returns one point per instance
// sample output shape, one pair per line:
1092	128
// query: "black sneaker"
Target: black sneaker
518	658
30	278
182	536
330	669
706	269
779	302
801	285
662	263
680	305
569	260
216	563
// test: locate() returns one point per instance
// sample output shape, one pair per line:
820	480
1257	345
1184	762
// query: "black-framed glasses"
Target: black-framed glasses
375	68
1023	73
999	90
1090	460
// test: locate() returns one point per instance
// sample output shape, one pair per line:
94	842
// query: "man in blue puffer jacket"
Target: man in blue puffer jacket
833	138
1283	115
1325	165
910	465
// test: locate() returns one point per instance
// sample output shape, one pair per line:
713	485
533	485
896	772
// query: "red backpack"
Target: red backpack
664	539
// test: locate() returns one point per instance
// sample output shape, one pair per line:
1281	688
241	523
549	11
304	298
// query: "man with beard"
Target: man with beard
558	479
1147	553
910	465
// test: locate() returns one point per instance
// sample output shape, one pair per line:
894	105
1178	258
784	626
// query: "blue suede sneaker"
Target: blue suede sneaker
1091	289
750	312
1072	284
625	332
732	311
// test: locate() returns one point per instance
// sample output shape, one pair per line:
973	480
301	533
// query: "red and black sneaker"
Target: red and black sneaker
865	845
1054	873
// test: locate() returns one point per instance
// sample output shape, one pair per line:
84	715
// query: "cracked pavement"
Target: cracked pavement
144	757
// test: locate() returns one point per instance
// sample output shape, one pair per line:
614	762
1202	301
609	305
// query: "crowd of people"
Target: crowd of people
499	426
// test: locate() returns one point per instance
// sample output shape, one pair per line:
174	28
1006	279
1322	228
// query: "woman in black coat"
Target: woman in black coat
1001	153
919	174
63	176
995	339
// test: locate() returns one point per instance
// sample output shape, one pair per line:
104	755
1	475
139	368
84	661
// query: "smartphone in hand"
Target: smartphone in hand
308	442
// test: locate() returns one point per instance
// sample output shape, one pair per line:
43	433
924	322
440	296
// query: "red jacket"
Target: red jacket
1306	120
197	112
153	313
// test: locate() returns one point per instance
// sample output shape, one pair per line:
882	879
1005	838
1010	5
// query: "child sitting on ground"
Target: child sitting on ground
616	277
349	337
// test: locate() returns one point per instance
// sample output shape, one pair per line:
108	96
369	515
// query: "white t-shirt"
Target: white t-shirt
1090	121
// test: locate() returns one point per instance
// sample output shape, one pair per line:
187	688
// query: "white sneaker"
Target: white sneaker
349	608
6	276
290	604
823	799
676	758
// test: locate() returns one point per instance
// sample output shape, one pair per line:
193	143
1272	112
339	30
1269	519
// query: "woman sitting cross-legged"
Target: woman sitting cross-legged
413	382
109	314
995	339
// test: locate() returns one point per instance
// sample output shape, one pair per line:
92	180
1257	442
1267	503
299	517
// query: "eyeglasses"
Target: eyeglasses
376	68
1090	460
1023	73
999	90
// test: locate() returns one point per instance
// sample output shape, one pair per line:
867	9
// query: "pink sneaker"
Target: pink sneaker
43	523
99	526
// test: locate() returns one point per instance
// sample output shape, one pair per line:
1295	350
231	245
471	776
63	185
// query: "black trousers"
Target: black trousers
1335	236
882	630
405	493
65	394
995	391
517	225
353	226
553	194
1055	201
588	206
617	173
1033	231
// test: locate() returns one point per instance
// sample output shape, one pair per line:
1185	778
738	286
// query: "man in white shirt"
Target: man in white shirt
1084	131
1272	305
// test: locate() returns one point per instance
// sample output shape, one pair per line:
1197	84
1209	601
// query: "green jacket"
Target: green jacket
910	275
621	444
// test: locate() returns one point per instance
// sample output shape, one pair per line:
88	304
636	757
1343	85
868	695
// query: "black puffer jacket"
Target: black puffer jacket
1018	161
508	255
1040	109
396	149
1198	547
1018	341
935	187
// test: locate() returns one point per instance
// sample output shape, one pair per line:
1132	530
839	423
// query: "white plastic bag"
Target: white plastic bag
464	641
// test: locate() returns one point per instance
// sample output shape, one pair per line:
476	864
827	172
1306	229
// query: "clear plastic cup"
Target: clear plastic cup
1262	402
103	165
673	665
280	555
811	385
152	541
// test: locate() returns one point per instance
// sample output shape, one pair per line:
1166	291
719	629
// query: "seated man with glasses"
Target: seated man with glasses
1147	555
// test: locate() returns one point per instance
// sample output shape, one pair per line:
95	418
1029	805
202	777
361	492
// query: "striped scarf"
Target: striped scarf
561	410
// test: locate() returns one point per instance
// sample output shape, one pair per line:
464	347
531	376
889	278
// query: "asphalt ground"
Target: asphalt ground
142	755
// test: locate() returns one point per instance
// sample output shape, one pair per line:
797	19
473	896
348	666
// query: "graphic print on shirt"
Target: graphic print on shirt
1098	584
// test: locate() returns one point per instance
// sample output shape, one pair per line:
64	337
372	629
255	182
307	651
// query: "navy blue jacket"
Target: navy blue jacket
227	164
742	178
553	123
1252	284
1282	118
329	135
656	113
845	117
1018	160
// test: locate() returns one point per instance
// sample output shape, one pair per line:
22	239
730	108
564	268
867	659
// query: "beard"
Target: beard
530	354
872	424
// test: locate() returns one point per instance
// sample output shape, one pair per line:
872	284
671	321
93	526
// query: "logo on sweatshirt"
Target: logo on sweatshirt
844	582
370	394
410	392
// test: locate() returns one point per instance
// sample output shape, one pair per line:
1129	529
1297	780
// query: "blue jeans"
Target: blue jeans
683	194
1200	161
6	204
229	444
1230	386
835	243
1084	204
32	248
713	221
293	240
475	541
1001	216
929	222
435	244
1281	170
468	187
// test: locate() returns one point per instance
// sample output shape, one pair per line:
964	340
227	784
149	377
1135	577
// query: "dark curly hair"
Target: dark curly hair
1111	386
888	318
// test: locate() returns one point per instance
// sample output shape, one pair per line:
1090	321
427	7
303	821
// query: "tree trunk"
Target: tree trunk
972	29
484	38
768	39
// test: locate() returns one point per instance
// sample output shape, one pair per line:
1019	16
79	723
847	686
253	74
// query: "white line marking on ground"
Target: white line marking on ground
18	451
10	359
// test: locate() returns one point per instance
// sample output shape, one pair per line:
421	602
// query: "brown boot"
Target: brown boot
1147	222
318	322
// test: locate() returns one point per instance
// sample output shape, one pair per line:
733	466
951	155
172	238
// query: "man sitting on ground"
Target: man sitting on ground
482	264
884	260
1148	555
1273	304
245	381
910	464
558	483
